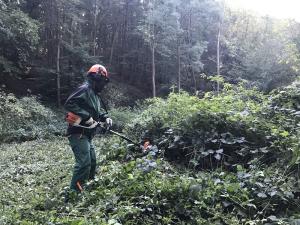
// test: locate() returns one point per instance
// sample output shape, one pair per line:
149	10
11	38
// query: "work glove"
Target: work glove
91	123
108	122
95	124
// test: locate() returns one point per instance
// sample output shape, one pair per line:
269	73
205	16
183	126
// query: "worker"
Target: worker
85	110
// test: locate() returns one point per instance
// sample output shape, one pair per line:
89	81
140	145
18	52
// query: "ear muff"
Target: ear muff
98	78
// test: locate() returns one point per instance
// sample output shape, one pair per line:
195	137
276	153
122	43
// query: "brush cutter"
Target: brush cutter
74	120
145	147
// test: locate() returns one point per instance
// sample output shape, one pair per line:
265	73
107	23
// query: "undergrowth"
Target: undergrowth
23	119
229	159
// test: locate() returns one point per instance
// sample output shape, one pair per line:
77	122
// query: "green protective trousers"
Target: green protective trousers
85	160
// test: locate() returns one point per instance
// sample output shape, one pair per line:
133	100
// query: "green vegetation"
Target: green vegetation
26	119
240	124
230	158
151	45
226	124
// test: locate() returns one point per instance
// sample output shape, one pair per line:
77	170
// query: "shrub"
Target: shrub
217	130
121	117
26	119
285	110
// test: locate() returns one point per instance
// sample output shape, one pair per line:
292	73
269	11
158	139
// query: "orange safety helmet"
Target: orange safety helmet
98	69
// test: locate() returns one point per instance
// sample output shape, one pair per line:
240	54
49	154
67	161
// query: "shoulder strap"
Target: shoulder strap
78	91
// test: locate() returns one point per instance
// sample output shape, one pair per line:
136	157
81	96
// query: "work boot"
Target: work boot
91	184
70	196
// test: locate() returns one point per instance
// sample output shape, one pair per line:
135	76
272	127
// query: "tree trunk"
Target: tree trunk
194	79
113	46
218	46
72	33
218	56
153	59
191	69
95	28
58	76
179	67
71	74
153	71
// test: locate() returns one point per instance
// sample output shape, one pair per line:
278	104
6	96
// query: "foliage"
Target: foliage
70	36
260	56
26	119
124	194
226	158
121	117
19	38
245	139
236	126
121	95
285	110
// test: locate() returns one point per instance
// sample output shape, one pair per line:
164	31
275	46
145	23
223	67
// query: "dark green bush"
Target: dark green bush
285	110
231	128
121	116
26	119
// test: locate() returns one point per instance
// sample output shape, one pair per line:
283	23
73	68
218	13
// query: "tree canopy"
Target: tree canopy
152	45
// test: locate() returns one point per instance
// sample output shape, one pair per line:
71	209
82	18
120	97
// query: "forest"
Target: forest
215	90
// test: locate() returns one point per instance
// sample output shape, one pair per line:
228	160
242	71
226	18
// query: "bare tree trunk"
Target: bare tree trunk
218	57
72	33
71	74
153	71
58	75
194	79
218	46
95	28
113	46
190	44
153	58
179	67
123	33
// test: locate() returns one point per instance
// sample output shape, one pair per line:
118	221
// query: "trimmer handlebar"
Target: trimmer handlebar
102	124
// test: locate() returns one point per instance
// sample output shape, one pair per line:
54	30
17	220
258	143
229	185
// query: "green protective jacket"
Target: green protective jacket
85	103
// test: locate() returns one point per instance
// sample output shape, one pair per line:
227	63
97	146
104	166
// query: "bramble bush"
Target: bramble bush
234	127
